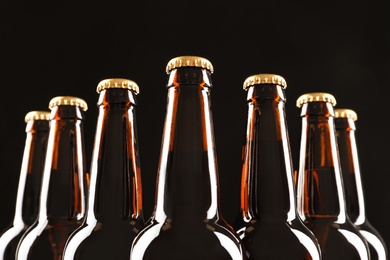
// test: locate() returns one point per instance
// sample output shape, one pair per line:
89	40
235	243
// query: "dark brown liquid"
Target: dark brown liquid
188	239
271	232
338	241
337	236
278	239
186	232
106	241
50	243
324	198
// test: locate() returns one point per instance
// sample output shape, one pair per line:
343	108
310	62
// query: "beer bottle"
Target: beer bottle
269	225
354	193
114	215
320	191
62	201
27	197
186	222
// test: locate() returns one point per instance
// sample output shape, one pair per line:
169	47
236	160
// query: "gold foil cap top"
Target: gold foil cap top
68	100
316	97
264	79
189	61
345	113
117	83
37	115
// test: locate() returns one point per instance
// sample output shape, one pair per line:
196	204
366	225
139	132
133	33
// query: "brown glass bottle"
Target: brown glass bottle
269	225
114	215
27	197
353	185
320	191
186	222
62	201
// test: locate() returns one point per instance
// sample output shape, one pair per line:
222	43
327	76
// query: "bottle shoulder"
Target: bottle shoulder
10	236
281	227
102	240
191	240
339	239
279	240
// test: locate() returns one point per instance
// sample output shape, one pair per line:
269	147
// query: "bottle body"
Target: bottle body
320	192
186	222
114	214
353	185
27	200
62	202
268	224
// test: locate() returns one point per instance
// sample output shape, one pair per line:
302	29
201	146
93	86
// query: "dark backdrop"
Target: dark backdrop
52	48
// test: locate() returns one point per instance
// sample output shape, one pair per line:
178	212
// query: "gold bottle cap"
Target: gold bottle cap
37	115
264	79
117	83
189	61
68	100
345	113
316	97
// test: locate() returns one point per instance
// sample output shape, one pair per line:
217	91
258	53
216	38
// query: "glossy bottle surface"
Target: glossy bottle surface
27	198
62	202
114	214
320	191
186	222
353	184
269	225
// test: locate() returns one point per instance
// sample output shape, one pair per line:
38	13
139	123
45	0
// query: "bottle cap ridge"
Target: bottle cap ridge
117	83
264	79
345	113
189	61
37	115
316	97
68	100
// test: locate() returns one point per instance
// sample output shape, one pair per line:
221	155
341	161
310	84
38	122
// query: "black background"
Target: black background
53	48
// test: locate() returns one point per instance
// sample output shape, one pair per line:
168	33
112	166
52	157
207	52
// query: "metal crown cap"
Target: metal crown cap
189	61
117	83
345	113
37	115
316	97
264	79
69	101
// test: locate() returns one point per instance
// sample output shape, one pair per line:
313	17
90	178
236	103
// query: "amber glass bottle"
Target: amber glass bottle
27	197
320	191
354	193
62	201
186	222
114	215
269	225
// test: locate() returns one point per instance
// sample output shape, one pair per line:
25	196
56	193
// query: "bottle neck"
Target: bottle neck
350	168
63	181
115	187
267	174
320	187
187	186
27	199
